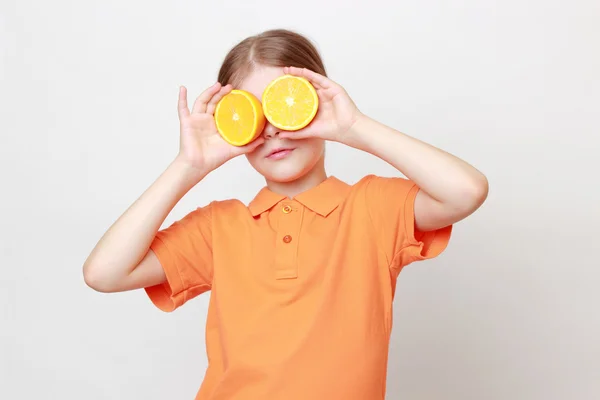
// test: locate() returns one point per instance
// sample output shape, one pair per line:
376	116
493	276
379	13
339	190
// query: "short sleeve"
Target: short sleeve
184	250
390	202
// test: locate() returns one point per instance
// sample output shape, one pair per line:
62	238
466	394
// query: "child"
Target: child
302	278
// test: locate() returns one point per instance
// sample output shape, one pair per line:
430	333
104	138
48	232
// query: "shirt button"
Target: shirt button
287	209
287	239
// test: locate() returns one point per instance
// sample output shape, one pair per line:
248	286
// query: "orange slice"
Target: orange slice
239	117
290	102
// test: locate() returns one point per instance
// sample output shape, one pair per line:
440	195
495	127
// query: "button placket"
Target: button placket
286	248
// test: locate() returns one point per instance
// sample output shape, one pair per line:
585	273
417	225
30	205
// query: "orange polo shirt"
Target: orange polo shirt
302	289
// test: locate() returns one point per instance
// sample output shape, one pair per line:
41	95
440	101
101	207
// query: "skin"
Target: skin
304	167
451	189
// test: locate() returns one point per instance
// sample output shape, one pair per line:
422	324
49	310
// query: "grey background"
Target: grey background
88	120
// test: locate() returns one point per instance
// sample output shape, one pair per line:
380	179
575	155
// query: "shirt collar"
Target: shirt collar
322	199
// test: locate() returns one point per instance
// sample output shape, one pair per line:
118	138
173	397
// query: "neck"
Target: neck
307	181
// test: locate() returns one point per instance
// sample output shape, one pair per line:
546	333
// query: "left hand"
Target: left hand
337	112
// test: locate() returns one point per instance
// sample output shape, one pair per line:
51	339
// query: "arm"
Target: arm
451	189
122	259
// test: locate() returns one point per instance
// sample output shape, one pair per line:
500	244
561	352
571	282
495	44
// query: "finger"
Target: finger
299	134
182	107
322	94
250	147
313	77
202	100
212	104
287	70
316	85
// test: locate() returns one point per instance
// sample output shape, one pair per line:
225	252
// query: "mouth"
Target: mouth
279	153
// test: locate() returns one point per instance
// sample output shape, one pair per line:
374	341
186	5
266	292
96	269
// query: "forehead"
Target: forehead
259	78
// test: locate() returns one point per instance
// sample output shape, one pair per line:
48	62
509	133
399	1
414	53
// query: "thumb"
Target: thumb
250	147
303	133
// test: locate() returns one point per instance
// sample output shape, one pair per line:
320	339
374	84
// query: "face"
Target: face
280	160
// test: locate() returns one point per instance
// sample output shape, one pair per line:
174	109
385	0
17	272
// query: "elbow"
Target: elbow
95	279
475	193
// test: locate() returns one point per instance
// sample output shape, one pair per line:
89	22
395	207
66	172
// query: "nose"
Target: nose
270	131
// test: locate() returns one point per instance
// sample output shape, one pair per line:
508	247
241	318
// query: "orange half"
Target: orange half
290	102
239	117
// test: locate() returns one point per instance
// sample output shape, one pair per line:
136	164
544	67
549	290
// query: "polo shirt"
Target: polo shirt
301	289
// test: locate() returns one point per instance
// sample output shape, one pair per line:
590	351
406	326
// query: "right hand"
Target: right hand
201	145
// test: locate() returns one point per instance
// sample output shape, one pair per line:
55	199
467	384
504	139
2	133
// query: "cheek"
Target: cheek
315	147
252	157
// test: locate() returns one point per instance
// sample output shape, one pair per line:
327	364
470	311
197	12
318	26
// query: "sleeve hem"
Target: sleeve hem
168	295
429	244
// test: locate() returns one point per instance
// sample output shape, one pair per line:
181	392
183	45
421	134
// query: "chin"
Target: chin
305	156
284	173
283	177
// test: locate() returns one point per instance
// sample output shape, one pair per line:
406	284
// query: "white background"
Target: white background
88	120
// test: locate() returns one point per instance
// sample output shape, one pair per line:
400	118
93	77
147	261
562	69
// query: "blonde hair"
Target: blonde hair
274	48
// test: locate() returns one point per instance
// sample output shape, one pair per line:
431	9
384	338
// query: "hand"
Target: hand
201	145
337	112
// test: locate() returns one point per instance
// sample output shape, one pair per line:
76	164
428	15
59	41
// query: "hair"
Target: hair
274	48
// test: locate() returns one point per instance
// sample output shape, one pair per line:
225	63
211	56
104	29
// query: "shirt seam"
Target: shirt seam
409	239
176	268
212	245
379	248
